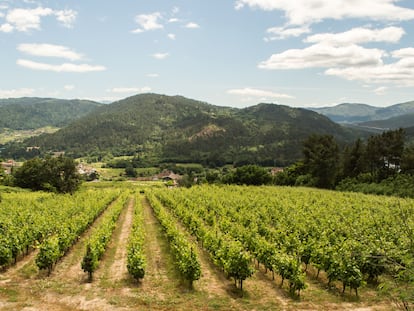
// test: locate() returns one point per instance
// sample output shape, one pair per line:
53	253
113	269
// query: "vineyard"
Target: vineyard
125	246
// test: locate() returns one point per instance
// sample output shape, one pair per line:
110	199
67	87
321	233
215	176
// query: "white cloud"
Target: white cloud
192	25
49	50
257	93
66	67
16	93
27	19
381	90
403	53
153	75
144	89
148	22
66	17
171	36
6	28
160	55
400	72
173	20
280	33
324	55
303	12
69	87
30	19
359	35
1	14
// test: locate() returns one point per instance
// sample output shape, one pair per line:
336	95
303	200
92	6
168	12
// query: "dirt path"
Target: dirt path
156	273
118	269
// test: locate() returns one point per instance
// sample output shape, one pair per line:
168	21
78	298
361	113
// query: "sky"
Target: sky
238	53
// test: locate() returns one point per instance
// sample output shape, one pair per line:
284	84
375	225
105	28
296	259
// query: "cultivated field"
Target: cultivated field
24	287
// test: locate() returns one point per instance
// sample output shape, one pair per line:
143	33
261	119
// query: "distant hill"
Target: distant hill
403	121
358	113
31	113
173	128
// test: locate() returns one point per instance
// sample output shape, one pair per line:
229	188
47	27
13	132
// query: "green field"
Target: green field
299	246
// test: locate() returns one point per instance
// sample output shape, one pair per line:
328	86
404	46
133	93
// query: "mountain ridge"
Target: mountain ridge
359	113
161	128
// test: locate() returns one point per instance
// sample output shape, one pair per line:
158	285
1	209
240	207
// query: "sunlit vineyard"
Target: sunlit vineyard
353	238
296	239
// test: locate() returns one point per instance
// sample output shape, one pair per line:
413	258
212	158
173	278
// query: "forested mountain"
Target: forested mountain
30	113
403	121
173	128
357	113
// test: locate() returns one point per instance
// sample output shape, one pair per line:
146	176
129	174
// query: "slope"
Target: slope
32	113
163	128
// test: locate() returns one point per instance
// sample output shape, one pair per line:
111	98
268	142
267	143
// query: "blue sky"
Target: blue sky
301	53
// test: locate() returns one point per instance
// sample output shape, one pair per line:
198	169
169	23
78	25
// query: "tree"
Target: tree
321	158
49	174
249	175
353	160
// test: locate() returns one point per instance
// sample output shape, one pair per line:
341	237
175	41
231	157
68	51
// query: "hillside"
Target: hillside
357	113
403	121
173	128
32	113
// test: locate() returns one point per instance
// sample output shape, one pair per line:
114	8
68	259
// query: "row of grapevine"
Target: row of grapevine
183	251
100	237
351	237
136	262
78	219
227	253
28	218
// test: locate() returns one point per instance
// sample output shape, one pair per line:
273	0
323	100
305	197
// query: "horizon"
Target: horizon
200	100
238	53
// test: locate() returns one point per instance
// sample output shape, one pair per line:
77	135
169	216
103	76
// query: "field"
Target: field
238	216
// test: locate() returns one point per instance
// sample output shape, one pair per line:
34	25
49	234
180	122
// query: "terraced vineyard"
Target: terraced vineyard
204	248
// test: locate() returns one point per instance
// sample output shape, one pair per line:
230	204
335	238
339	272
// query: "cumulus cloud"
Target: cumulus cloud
148	22
160	55
258	93
25	20
66	67
144	89
359	35
304	12
171	36
16	93
343	56
66	17
400	72
49	50
323	55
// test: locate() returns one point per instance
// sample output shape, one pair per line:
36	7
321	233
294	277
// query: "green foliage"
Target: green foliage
248	175
101	236
50	174
186	259
34	113
321	159
136	262
156	129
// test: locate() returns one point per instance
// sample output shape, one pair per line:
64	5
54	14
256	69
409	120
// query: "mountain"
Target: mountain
30	113
159	128
403	121
358	113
